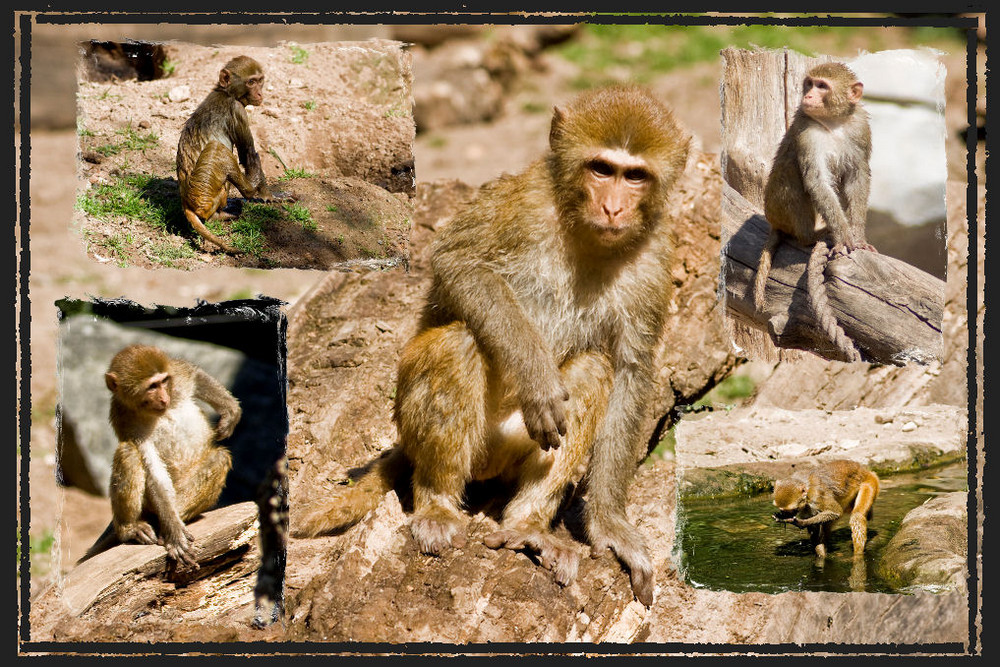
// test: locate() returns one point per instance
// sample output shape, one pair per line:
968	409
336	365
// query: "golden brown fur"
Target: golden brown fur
535	355
167	467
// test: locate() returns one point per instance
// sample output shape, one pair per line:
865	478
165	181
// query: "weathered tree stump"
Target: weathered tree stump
113	572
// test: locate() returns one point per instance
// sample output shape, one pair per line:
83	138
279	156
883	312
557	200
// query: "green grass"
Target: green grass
309	105
247	231
167	254
169	67
132	196
132	141
295	173
639	52
299	55
732	390
301	214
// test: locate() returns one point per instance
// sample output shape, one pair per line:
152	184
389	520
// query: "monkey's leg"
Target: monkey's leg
544	475
199	490
441	415
205	191
859	521
127	490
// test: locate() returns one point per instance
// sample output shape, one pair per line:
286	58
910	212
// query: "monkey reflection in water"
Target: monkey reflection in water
534	359
815	500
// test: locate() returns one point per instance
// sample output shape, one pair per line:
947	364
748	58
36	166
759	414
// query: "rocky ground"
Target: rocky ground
404	596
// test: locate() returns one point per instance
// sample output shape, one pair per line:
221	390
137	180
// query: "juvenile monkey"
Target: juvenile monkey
534	359
205	161
816	501
821	166
167	466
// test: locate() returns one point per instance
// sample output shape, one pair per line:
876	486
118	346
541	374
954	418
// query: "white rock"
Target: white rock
179	93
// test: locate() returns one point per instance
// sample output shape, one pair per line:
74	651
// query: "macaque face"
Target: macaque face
615	183
789	499
156	393
255	90
814	95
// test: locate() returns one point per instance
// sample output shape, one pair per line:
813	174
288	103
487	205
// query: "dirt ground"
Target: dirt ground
61	267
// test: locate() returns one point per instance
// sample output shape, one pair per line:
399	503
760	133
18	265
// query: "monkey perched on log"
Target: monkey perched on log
534	358
167	466
821	166
815	502
205	161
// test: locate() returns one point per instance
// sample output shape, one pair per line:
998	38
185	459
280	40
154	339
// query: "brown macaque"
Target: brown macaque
167	466
821	166
205	161
534	360
815	502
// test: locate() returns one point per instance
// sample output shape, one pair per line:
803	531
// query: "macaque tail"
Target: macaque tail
350	503
107	540
764	268
199	227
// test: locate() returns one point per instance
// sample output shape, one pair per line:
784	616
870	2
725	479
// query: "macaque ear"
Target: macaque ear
856	90
558	120
224	78
111	380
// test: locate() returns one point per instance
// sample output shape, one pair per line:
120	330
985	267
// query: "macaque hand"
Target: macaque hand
544	414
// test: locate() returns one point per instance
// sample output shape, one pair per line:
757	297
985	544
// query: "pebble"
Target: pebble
179	93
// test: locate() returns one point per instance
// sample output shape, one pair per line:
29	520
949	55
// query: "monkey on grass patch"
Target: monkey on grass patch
534	358
167	467
816	501
205	161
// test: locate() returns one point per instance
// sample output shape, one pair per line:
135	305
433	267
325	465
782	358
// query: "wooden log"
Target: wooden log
891	310
114	571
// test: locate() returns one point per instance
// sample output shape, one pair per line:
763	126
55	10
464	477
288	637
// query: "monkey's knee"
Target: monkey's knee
441	401
200	491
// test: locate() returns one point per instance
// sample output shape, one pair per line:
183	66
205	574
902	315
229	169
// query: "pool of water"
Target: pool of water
735	545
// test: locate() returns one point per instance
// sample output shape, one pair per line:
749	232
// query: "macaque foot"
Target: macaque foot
845	249
633	555
433	536
180	547
139	531
559	558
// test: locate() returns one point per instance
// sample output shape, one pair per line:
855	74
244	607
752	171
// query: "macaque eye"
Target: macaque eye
601	168
822	85
637	175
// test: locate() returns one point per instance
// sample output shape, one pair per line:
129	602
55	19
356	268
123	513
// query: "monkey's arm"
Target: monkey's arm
247	152
162	496
612	466
210	390
818	182
127	490
473	292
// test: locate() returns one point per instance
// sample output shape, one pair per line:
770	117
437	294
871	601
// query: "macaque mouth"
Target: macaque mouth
783	515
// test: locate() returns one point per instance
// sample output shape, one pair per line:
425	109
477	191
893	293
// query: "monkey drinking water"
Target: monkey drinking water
205	161
816	501
821	167
534	359
167	466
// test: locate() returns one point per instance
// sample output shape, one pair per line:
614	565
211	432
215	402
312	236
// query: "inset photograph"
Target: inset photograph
833	216
864	500
297	156
177	416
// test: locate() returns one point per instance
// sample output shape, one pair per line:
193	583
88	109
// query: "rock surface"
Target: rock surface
930	550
